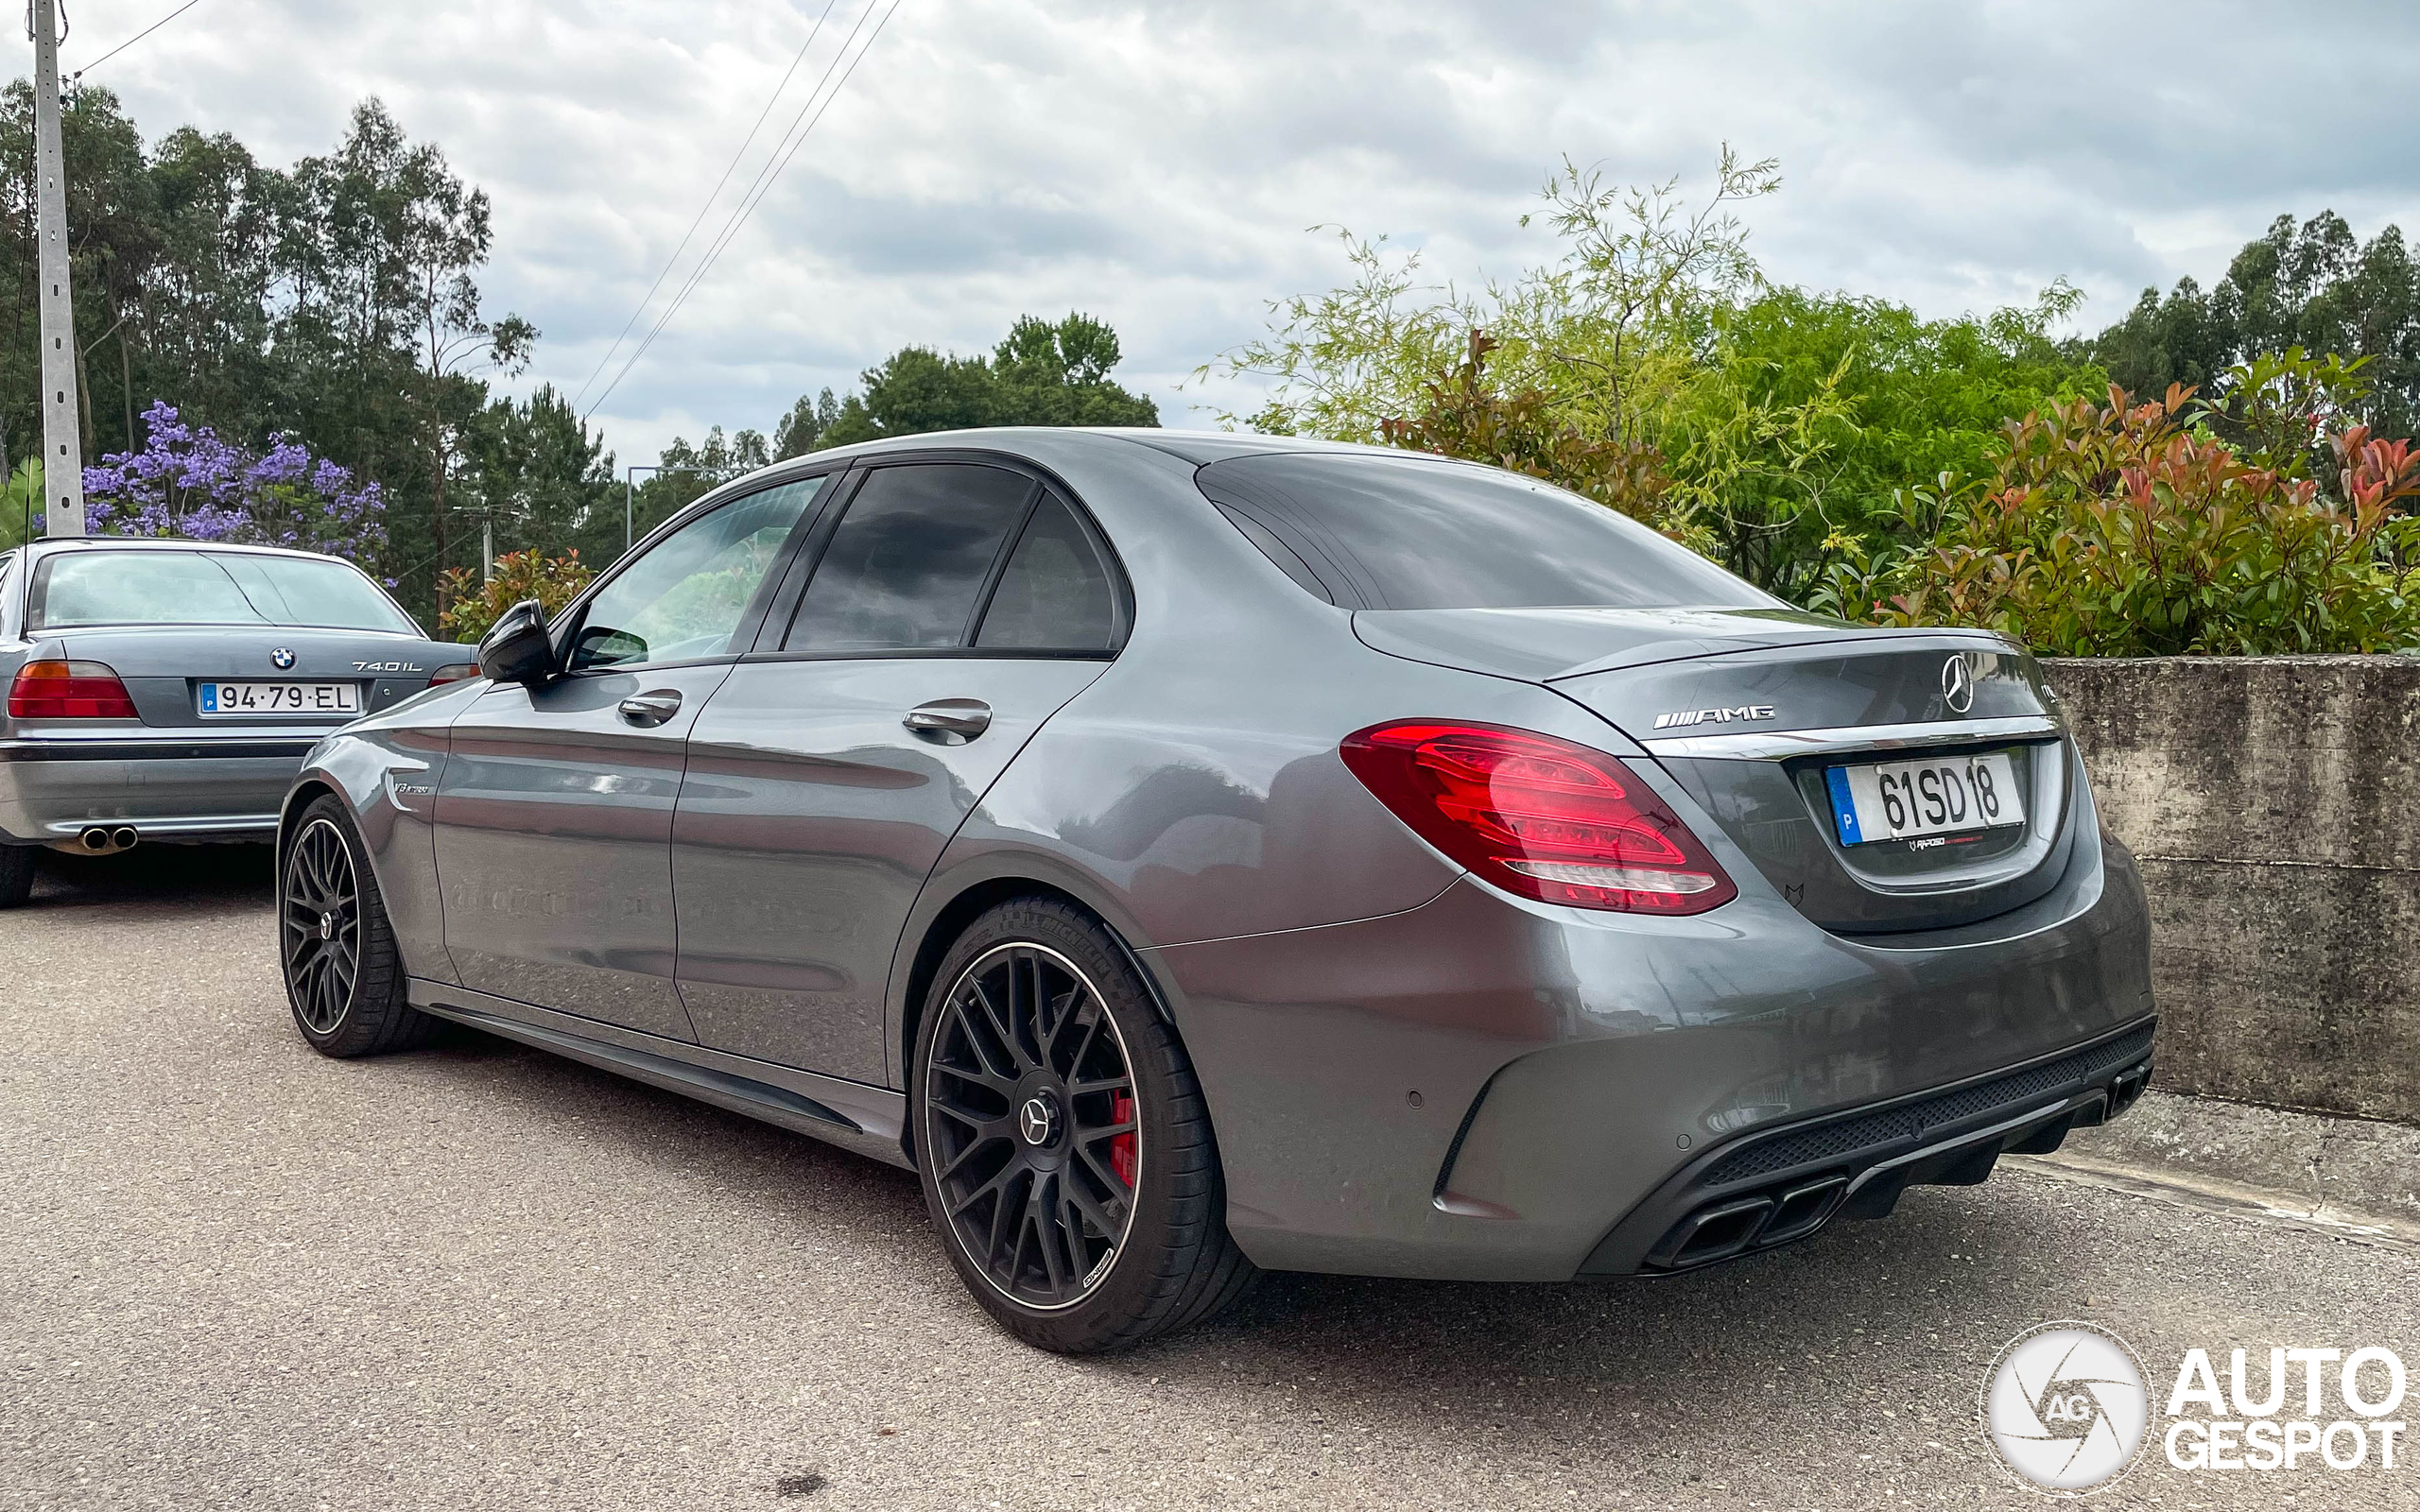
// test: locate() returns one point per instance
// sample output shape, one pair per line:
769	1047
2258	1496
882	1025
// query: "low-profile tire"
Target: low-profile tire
344	978
17	863
1065	1146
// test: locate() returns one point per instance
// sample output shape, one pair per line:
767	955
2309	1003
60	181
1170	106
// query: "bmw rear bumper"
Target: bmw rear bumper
1486	1089
176	789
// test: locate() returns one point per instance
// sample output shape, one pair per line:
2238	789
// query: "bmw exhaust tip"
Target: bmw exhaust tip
123	838
95	839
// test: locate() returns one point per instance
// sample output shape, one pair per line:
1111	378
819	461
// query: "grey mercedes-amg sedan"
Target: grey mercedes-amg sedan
165	690
1202	854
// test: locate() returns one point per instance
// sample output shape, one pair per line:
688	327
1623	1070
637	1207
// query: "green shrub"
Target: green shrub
471	607
2122	530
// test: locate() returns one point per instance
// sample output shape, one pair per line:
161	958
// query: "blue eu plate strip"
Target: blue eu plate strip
210	697
1843	806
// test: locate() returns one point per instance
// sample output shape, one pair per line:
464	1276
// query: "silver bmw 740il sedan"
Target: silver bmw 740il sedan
164	690
1202	854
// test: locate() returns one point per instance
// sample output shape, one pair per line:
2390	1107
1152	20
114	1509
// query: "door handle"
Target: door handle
650	708
950	721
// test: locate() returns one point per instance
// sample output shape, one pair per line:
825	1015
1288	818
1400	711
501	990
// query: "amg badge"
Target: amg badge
1713	717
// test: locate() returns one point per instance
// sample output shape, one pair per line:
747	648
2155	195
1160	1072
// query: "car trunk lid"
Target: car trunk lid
1768	717
165	666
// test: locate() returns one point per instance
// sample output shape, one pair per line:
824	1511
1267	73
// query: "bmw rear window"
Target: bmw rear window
1407	532
206	588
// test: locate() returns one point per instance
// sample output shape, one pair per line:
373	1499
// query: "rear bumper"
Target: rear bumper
180	790
1781	1187
1483	1089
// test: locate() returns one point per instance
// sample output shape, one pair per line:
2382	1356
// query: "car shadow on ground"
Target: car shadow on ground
1856	1338
197	876
1867	1333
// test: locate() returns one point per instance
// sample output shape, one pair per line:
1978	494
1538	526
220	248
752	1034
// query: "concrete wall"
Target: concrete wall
2274	805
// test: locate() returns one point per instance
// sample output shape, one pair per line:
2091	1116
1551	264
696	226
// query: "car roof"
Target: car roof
50	544
1037	444
1191	445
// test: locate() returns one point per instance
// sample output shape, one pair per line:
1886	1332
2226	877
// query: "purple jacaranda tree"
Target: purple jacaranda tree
189	482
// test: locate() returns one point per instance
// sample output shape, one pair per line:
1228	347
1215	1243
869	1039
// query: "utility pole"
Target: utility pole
63	446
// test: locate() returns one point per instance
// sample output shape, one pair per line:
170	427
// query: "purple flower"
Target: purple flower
188	482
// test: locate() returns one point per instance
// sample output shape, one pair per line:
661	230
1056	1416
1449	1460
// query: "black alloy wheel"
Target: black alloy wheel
1029	1113
319	924
344	976
1063	1144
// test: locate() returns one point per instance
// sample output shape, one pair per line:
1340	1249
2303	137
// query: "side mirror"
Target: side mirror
517	648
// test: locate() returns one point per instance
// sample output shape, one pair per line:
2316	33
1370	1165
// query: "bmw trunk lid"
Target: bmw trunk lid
164	665
1883	780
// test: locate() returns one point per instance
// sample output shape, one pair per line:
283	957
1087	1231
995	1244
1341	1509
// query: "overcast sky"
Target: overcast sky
1157	165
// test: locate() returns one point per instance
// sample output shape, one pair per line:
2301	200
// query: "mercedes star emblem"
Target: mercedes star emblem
1034	1121
1958	684
281	659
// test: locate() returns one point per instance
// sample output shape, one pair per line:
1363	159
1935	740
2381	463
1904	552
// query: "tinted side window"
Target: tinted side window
1055	595
686	594
1415	534
908	566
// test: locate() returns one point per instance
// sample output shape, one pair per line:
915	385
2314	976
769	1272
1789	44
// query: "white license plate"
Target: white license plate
281	697
1931	795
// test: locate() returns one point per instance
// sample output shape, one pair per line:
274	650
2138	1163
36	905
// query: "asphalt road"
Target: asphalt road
235	1273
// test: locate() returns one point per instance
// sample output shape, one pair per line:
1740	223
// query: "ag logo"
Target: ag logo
2065	1408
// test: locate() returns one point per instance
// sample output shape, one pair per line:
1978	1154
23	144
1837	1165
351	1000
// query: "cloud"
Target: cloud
1158	163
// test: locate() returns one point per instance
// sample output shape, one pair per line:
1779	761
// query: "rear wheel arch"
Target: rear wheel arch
918	964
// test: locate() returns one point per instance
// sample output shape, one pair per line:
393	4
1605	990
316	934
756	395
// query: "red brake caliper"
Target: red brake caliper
1121	1146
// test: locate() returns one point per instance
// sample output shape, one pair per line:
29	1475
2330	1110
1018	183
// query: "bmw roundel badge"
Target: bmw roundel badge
281	659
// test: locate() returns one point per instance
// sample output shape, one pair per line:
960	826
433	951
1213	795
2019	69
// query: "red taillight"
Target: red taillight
68	690
458	672
1539	817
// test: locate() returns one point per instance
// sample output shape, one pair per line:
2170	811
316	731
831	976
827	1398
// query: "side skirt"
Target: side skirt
866	1120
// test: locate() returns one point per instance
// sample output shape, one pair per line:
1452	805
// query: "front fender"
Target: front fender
387	777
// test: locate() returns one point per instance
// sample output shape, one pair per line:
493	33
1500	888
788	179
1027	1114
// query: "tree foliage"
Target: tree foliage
1650	365
334	304
189	482
2312	285
1468	415
1041	374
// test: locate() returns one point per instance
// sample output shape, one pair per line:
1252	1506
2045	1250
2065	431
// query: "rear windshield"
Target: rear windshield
1410	533
206	588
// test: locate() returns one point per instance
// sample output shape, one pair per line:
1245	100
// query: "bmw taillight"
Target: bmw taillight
68	690
1543	818
457	672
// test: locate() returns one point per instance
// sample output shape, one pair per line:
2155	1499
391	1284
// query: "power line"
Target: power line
763	185
137	37
748	197
712	195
